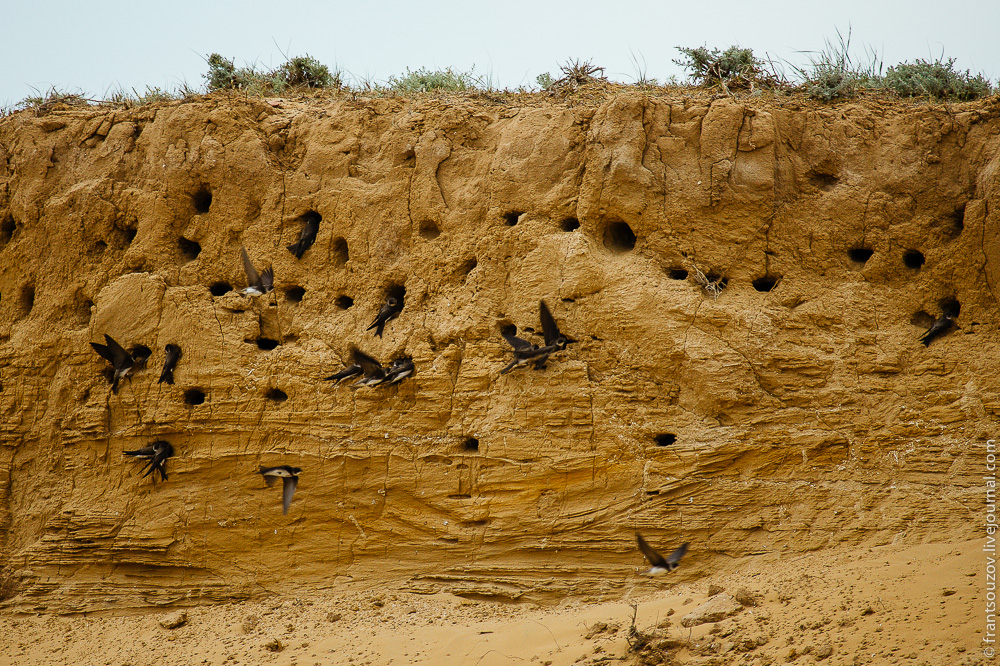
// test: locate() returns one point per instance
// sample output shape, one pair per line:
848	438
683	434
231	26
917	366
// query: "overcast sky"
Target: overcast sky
98	47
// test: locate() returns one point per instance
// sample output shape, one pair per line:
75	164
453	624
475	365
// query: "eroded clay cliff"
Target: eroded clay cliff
795	411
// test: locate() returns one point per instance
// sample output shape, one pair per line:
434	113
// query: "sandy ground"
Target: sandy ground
920	605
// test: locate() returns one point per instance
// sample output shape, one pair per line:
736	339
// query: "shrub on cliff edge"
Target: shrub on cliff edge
300	71
936	79
735	67
424	80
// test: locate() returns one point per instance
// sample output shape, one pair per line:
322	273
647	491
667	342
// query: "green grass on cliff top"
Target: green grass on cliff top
830	75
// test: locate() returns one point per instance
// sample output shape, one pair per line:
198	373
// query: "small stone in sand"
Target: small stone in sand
174	620
715	609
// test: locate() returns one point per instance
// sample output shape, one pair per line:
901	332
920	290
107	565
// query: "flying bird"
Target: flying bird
549	328
310	226
349	371
550	331
390	310
524	352
659	564
289	481
156	455
949	313
173	355
374	373
121	361
257	283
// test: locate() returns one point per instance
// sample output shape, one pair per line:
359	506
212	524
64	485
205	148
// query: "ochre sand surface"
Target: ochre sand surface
795	412
918	605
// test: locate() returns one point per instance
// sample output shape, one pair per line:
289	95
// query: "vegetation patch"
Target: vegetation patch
938	79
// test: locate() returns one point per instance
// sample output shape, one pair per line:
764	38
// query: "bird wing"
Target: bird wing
519	344
173	354
120	357
549	328
942	323
383	316
349	371
268	478
287	490
267	278
144	452
675	557
253	278
654	557
104	352
370	366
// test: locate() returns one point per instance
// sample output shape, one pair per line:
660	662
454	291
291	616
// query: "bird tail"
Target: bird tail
297	249
167	376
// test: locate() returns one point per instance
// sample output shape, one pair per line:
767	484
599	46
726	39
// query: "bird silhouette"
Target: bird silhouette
660	565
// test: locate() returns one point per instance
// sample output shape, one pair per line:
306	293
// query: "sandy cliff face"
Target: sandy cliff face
794	412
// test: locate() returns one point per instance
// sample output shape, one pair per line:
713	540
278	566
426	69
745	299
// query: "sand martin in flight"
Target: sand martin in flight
289	481
659	564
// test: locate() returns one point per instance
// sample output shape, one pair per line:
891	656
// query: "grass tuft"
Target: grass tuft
831	74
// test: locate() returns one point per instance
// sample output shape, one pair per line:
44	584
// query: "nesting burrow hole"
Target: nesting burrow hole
677	274
921	318
765	283
397	291
717	279
340	252
127	233
511	218
266	344
276	395
220	288
194	396
468	266
913	259
956	222
665	439
860	255
189	249
294	294
202	199
823	181
508	329
81	310
570	224
343	302
471	444
429	230
619	237
7	227
27	299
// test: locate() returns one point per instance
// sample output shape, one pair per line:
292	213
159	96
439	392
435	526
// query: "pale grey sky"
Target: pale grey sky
98	47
